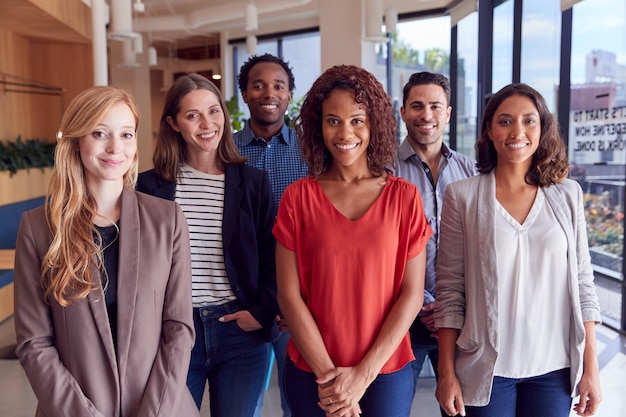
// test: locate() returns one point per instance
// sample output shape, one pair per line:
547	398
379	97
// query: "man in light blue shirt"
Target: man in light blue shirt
266	83
427	162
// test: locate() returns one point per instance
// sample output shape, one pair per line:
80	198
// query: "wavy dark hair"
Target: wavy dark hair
171	149
257	59
370	94
549	163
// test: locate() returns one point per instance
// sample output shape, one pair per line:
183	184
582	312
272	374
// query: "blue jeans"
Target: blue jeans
389	395
280	354
232	360
421	352
545	395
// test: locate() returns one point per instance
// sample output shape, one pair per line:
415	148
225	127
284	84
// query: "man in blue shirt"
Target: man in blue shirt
266	83
427	162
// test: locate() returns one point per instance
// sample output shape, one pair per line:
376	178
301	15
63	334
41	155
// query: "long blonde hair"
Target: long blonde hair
66	272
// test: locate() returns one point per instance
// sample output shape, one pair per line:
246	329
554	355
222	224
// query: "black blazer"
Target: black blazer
249	245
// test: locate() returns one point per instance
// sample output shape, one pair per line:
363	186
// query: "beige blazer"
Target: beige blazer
467	278
68	352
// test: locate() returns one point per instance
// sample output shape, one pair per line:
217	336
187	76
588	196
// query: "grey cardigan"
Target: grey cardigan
467	290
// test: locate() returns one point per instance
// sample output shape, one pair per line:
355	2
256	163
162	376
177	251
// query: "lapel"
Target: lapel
232	199
561	209
556	197
162	188
128	274
485	205
97	306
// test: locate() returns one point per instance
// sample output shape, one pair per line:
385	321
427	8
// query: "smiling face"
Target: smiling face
107	153
200	121
515	130
426	114
267	95
346	129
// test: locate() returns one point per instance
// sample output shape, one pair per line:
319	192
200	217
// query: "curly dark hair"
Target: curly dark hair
549	162
257	59
370	94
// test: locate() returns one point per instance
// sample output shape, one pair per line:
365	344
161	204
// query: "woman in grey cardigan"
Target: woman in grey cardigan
516	306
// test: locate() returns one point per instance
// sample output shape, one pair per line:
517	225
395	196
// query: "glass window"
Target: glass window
466	108
419	45
541	47
597	138
302	52
502	45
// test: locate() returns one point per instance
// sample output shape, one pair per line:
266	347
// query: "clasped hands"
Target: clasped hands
341	389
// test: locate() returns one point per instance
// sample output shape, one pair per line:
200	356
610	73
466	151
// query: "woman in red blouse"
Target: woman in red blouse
350	258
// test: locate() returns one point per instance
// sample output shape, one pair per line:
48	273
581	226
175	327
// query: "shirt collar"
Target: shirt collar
283	135
445	151
406	151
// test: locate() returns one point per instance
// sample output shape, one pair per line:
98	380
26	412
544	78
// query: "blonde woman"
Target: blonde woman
103	277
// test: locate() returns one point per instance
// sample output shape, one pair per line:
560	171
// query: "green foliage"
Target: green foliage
436	60
293	111
236	115
403	53
605	223
26	154
433	59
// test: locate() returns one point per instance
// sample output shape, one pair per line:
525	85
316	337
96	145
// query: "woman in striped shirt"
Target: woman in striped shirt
230	209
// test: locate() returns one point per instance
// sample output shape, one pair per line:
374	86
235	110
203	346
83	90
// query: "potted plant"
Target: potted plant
31	153
17	181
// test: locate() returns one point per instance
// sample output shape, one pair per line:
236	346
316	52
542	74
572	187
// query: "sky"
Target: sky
426	33
597	24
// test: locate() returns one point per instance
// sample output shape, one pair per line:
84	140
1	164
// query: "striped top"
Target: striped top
201	197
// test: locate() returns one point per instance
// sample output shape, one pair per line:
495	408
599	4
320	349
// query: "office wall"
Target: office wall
45	61
43	44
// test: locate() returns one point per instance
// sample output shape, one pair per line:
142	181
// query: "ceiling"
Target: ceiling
196	23
181	24
175	25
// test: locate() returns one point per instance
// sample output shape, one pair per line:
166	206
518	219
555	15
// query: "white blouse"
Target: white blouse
533	294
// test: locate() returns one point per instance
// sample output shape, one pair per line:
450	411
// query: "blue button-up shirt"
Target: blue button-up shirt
281	157
453	166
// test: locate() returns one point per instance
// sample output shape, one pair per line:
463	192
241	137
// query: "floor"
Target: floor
17	399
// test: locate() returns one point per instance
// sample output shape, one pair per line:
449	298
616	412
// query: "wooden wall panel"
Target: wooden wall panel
42	42
15	108
14	54
23	185
69	66
65	65
74	13
58	20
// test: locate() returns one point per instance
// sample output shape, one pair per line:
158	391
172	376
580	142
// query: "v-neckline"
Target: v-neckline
365	213
530	217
